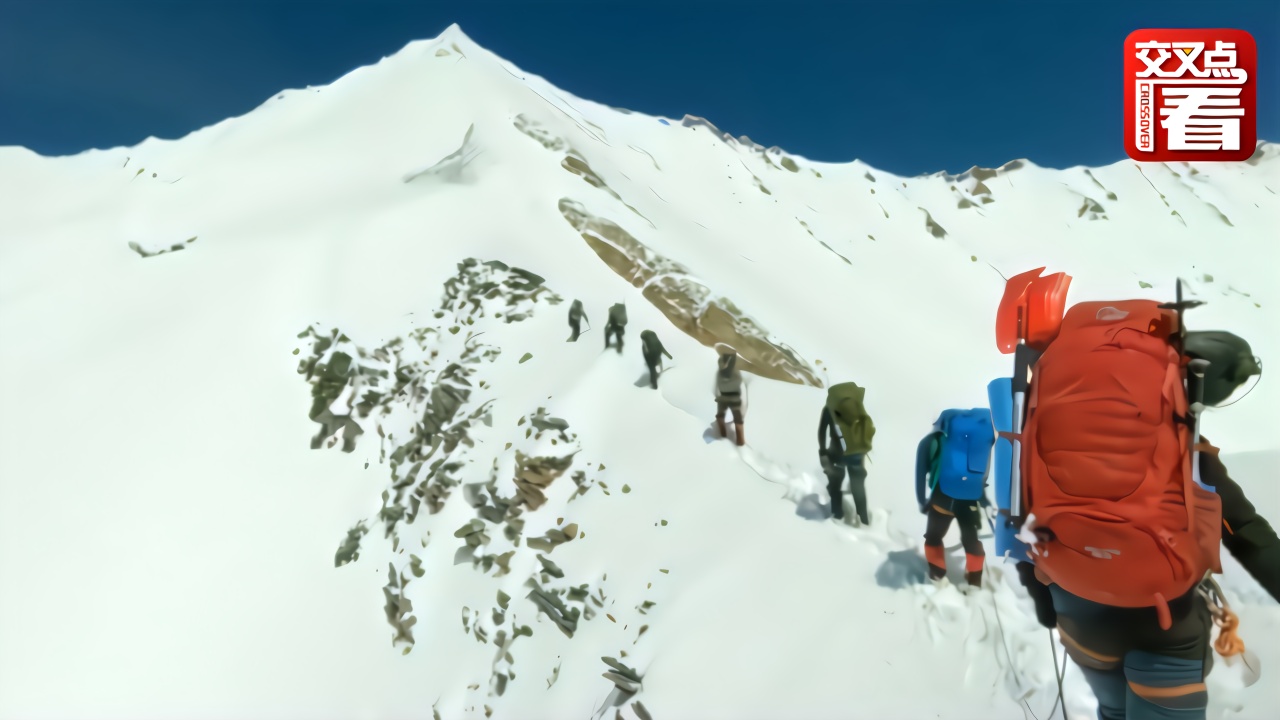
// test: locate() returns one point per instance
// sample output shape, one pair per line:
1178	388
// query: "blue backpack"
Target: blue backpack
955	456
1000	395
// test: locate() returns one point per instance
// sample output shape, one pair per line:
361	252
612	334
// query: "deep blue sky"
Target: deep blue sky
909	87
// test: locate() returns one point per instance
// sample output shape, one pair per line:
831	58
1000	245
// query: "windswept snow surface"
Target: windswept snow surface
167	535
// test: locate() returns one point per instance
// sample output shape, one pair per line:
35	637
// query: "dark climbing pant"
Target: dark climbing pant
724	407
609	331
857	486
738	418
942	510
1137	670
653	363
575	325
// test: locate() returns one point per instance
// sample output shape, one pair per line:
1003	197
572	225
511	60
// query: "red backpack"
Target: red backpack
1106	460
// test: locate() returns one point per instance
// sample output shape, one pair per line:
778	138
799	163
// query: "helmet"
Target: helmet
1231	362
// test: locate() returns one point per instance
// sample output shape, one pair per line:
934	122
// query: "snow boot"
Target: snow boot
936	555
724	431
738	427
858	493
973	569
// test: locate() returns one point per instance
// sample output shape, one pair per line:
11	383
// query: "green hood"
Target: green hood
1231	362
845	400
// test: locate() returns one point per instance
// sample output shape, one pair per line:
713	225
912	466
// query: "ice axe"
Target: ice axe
1194	379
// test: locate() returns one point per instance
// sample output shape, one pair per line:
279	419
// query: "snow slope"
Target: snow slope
166	528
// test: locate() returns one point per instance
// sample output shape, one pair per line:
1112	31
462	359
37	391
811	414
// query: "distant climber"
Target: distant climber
729	392
850	430
651	348
576	316
951	477
616	325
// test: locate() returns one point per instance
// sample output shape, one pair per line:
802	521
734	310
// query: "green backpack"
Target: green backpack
851	419
618	314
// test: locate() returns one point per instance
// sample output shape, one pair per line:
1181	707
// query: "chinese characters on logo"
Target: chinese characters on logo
1190	95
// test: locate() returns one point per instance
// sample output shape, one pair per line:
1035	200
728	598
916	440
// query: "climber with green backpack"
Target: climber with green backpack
616	326
844	439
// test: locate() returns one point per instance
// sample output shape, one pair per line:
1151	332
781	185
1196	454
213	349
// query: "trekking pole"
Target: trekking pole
1025	357
1059	674
1196	369
1021	383
986	504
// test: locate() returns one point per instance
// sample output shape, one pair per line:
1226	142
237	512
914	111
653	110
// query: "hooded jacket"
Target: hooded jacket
729	381
652	346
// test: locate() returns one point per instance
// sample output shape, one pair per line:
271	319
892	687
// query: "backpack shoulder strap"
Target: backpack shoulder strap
926	452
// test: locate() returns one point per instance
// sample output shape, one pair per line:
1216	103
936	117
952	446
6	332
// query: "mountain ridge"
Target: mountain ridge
247	353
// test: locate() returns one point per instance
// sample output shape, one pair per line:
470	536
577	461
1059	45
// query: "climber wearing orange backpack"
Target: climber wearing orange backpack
1122	503
1097	636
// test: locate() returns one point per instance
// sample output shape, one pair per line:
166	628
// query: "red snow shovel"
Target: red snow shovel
1029	318
1031	310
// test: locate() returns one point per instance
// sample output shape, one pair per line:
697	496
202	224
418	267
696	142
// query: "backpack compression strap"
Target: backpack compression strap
926	455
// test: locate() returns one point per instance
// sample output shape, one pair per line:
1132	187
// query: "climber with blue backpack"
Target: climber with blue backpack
1111	503
951	478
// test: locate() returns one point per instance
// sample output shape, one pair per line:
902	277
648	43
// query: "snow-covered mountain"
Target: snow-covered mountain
196	330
